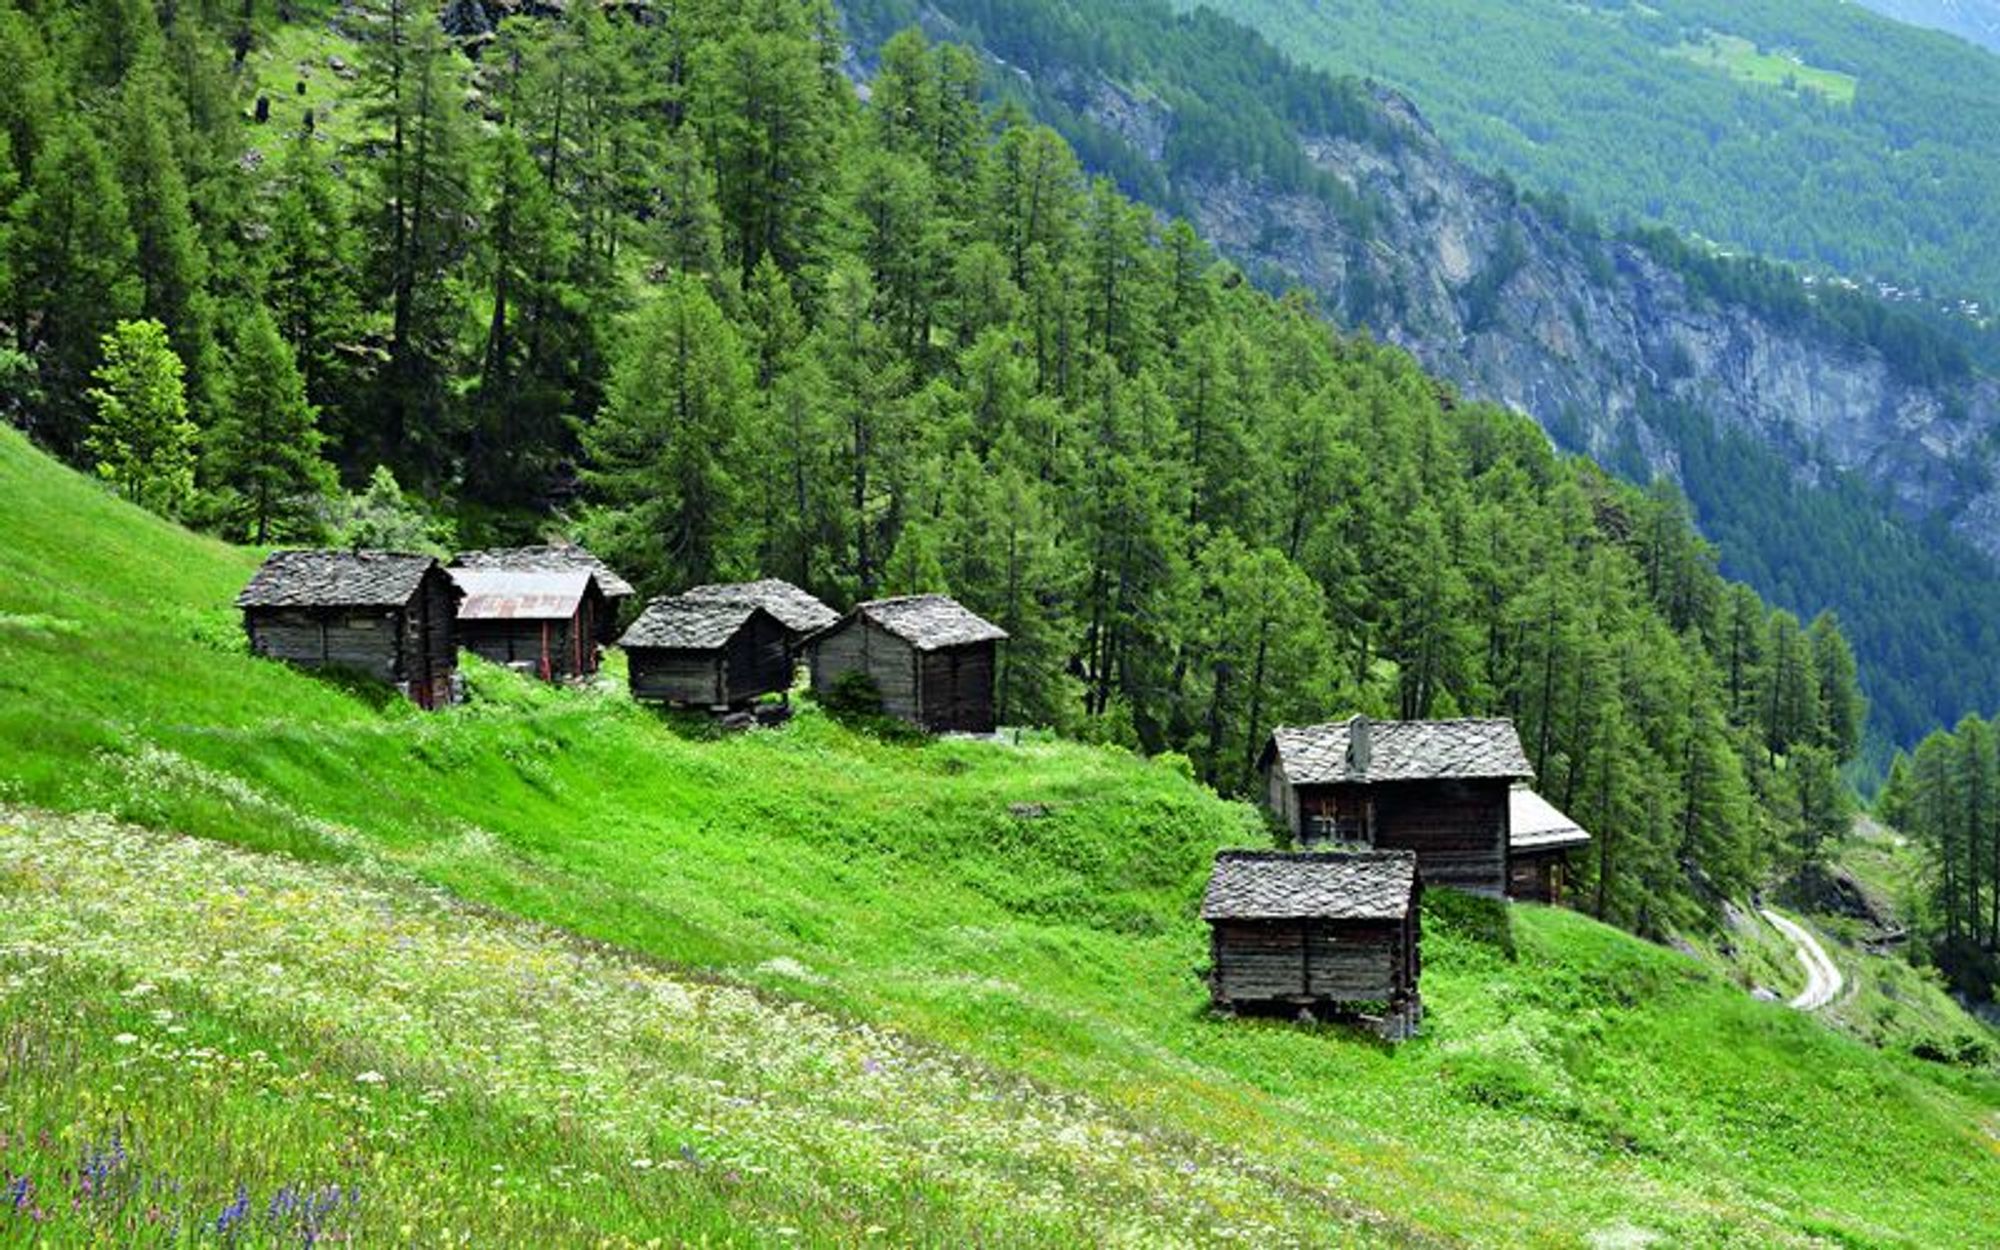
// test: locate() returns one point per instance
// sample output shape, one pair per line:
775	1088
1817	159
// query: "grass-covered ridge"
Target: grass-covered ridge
1004	914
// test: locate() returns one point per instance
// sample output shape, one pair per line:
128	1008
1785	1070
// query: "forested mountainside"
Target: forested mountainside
1842	451
671	286
1974	20
1812	131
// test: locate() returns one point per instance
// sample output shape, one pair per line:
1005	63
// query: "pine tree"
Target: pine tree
264	449
73	275
661	449
142	441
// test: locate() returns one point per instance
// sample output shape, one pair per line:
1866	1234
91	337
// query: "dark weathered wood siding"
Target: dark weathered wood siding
1302	961
1458	828
755	661
555	649
955	689
1536	876
414	646
861	645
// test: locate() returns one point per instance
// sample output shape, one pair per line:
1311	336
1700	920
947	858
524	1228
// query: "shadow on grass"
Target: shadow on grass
1487	922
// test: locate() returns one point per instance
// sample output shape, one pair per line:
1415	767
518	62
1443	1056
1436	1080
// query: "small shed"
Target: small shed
706	653
545	622
1539	841
1336	933
801	614
932	660
1440	788
558	558
384	614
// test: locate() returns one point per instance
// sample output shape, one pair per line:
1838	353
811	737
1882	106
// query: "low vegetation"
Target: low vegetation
1006	930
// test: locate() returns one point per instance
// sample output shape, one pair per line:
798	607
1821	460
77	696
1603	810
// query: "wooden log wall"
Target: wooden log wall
676	676
956	691
758	661
864	646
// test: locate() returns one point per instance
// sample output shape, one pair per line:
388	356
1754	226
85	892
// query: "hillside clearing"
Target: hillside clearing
1570	1079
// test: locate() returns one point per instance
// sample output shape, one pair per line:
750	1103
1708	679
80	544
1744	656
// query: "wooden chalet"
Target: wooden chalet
1336	933
559	558
800	613
545	623
932	660
1539	840
707	653
1439	788
389	616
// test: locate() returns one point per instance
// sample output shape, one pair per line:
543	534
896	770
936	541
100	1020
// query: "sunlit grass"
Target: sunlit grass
1020	918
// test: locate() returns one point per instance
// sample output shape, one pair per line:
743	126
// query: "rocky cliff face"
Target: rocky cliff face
1591	337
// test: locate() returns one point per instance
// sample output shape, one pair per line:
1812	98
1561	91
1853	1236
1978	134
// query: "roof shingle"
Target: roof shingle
1422	750
506	595
930	622
1332	885
335	579
688	624
1535	824
795	609
552	558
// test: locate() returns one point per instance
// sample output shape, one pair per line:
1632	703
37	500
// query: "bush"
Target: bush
854	694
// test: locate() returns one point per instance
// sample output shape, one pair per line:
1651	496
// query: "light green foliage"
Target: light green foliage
142	441
382	518
1029	1001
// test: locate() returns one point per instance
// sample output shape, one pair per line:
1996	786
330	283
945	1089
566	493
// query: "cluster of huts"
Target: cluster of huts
550	610
1379	809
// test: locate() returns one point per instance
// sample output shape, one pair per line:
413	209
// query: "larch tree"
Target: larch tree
141	440
264	450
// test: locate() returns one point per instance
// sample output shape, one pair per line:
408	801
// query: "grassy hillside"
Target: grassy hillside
1814	132
854	990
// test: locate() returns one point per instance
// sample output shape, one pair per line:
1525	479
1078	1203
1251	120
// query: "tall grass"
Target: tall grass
1026	913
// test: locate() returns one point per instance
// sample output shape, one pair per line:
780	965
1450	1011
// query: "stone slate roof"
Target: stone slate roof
335	579
795	609
554	558
506	595
1535	824
684	623
1417	750
1338	885
930	622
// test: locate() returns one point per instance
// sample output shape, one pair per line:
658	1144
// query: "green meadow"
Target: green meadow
285	961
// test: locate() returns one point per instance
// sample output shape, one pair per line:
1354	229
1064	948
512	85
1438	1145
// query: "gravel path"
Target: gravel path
1823	978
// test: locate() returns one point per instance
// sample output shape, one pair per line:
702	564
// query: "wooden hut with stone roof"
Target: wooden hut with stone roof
1539	840
710	653
932	661
544	622
383	614
801	614
1439	788
558	558
1335	933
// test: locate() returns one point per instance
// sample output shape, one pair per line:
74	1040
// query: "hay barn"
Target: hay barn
706	653
559	558
545	623
1439	788
386	615
933	661
1337	933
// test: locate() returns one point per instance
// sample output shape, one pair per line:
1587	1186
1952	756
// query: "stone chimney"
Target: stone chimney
1360	747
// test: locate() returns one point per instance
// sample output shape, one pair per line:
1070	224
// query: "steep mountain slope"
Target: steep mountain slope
1975	20
1808	130
987	948
1784	411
